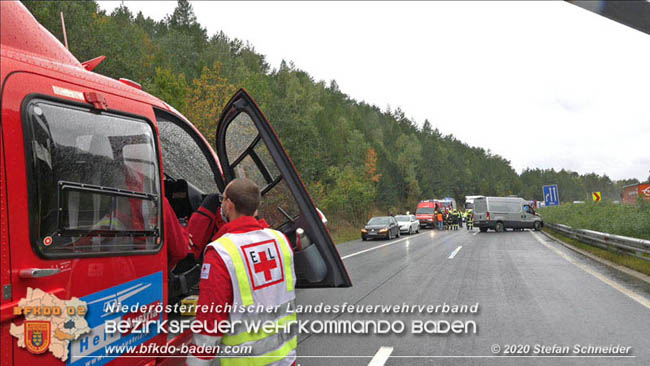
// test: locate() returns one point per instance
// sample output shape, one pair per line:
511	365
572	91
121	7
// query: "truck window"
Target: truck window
183	158
251	159
94	182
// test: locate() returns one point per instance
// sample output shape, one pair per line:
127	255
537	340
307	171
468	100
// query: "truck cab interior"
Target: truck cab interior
246	146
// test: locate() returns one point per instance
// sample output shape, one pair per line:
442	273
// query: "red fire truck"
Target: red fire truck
425	212
80	151
427	208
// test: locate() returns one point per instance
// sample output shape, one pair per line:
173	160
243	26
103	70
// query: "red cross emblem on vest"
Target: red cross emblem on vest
264	263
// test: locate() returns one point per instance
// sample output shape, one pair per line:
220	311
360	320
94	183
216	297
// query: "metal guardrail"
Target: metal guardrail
637	247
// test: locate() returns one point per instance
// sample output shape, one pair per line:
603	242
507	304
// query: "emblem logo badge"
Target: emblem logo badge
37	334
264	264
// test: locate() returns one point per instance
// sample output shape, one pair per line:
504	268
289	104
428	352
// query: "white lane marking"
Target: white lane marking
379	246
631	294
381	356
453	254
476	233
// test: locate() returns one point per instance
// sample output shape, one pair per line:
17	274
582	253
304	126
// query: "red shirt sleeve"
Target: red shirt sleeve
215	288
176	237
202	225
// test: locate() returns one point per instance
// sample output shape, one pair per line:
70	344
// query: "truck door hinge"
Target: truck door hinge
6	292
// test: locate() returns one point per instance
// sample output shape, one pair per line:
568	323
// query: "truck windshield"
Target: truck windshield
94	184
424	210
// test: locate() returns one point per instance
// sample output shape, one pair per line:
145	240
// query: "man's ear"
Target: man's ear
231	208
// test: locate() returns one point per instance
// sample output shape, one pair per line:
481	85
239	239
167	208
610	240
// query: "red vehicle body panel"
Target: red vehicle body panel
35	62
426	219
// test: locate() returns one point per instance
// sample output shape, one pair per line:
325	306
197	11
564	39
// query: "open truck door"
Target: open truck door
247	146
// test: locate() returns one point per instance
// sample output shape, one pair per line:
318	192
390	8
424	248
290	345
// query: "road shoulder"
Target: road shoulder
618	267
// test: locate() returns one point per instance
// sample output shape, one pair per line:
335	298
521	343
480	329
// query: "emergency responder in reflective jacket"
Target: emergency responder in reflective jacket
454	220
248	268
441	220
469	218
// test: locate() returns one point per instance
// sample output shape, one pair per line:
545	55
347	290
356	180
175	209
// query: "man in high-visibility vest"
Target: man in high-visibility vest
246	269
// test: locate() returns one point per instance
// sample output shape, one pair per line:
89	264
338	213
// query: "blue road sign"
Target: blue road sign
551	196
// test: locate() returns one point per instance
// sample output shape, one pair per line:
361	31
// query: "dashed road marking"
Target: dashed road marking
381	356
453	254
380	246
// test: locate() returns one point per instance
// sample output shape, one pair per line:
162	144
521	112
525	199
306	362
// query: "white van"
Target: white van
499	213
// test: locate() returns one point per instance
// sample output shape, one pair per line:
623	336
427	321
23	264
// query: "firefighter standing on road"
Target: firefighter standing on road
445	218
248	266
452	215
470	219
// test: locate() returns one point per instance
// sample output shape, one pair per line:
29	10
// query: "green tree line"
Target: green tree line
355	158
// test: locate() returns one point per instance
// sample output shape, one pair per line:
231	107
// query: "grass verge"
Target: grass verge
606	217
344	231
628	261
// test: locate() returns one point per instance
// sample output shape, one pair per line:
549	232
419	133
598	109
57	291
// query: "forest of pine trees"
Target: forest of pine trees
355	158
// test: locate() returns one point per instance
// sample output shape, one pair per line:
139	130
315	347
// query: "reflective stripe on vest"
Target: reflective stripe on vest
283	356
240	270
244	337
286	254
260	264
110	222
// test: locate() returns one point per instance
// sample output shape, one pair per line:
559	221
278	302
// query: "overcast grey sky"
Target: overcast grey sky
543	84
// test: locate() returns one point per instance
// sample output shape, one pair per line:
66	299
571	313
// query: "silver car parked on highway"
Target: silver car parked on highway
408	224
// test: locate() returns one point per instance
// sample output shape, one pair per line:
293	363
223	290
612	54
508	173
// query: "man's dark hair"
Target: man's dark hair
245	194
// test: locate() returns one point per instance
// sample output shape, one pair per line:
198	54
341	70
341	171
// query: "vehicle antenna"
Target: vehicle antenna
65	37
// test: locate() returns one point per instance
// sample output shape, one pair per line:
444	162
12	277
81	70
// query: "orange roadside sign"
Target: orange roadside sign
595	196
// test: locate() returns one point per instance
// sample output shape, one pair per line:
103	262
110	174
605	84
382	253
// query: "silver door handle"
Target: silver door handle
38	272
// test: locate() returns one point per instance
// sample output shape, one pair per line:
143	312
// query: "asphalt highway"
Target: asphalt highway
535	297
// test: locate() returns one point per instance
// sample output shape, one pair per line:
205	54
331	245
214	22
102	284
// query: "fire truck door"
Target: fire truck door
247	146
84	215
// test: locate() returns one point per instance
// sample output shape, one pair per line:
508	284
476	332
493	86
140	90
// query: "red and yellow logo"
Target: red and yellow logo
50	323
37	336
